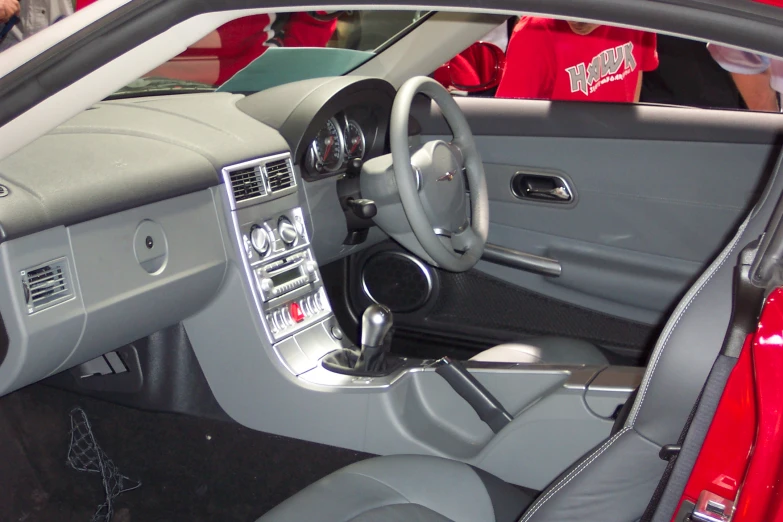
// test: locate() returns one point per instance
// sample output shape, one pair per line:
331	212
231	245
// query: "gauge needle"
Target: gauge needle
355	144
329	142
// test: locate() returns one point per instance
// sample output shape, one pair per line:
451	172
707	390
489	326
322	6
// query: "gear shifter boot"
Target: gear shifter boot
344	362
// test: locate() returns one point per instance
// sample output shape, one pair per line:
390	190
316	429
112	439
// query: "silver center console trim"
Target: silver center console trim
305	289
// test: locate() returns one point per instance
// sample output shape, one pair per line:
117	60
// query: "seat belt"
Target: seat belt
661	507
669	453
746	307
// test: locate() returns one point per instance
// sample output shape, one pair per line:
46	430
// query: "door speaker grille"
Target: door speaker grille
397	280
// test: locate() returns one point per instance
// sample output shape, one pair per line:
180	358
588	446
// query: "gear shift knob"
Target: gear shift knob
377	320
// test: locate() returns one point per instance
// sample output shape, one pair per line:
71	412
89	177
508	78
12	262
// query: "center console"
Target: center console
269	222
286	353
284	273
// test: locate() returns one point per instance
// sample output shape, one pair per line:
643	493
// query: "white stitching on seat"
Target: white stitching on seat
572	475
679	313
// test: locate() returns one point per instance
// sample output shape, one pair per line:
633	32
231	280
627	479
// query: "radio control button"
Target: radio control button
310	267
287	231
260	239
286	315
277	316
270	321
297	314
266	285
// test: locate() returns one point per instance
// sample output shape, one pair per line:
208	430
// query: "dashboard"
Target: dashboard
150	207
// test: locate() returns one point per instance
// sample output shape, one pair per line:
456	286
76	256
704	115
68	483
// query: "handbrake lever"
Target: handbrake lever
480	399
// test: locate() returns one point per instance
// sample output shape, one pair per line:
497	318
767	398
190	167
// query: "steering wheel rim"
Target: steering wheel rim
467	243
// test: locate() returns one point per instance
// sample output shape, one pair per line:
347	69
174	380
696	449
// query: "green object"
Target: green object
280	65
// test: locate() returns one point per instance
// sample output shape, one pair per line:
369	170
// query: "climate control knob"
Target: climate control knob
287	231
260	239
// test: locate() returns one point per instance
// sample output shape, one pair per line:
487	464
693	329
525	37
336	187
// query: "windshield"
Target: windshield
257	52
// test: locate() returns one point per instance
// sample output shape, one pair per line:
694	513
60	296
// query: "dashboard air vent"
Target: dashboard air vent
280	175
247	183
46	285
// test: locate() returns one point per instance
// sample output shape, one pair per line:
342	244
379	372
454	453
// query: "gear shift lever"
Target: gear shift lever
377	320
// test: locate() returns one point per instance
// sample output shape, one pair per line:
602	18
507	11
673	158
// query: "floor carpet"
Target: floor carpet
190	469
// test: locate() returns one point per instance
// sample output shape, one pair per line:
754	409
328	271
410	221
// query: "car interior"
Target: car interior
488	309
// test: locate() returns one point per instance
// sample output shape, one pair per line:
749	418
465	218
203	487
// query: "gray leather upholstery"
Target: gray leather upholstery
553	350
615	481
404	487
400	513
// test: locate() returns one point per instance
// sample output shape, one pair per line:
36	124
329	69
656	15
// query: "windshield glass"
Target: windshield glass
257	52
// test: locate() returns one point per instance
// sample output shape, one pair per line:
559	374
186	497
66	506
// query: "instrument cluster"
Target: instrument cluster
348	135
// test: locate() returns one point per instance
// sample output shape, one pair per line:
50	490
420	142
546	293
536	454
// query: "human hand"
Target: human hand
8	8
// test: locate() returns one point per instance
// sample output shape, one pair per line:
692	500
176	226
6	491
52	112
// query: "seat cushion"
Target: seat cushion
405	487
551	350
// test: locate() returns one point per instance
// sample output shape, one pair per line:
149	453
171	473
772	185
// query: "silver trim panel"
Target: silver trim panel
522	261
268	194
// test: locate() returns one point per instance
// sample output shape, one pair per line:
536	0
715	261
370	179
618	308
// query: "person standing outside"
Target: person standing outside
8	8
563	60
34	16
758	78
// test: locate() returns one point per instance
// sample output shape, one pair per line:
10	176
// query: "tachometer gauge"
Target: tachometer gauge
354	140
328	147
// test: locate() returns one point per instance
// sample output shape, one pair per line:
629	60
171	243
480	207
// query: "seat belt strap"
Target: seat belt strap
747	302
681	461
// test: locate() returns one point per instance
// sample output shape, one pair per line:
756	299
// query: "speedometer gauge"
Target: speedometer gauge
354	140
328	147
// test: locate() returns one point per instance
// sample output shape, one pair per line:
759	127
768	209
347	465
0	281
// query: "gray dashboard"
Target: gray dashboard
82	199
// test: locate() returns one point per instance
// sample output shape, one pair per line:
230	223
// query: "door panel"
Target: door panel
655	196
657	192
648	215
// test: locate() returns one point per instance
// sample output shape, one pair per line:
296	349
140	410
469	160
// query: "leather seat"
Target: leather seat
551	350
405	488
612	483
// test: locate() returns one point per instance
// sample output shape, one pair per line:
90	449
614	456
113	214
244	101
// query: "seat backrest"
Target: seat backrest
615	481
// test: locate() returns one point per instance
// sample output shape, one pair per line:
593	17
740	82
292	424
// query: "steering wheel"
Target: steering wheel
449	219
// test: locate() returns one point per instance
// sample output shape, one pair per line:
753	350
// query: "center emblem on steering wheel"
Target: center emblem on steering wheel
447	177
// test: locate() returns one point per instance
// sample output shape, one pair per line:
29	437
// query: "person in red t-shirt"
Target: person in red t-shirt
560	60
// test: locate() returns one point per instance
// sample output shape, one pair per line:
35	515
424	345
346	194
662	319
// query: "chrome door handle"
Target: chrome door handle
560	193
541	186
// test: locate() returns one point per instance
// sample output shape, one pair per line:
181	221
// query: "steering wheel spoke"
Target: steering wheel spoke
457	151
464	239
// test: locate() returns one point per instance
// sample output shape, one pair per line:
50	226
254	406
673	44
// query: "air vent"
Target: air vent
280	175
46	285
247	183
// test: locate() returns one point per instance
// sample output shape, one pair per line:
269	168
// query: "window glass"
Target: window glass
543	58
257	52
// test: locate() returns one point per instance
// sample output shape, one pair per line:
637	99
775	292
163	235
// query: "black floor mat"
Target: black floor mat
191	469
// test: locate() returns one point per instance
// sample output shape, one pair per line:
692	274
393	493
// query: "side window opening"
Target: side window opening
551	59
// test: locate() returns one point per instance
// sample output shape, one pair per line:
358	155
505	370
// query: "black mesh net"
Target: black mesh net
84	454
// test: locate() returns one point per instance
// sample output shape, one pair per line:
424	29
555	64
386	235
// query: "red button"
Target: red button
296	312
